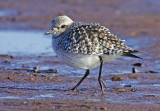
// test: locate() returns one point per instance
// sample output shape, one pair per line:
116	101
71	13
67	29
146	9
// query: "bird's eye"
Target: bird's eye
63	26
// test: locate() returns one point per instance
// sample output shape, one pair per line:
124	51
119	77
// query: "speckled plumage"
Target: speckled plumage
91	38
86	45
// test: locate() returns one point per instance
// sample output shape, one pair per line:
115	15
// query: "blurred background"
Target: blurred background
24	22
31	77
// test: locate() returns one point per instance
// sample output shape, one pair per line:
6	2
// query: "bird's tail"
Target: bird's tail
129	54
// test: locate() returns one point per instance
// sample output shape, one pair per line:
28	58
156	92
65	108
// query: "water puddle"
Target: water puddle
156	85
137	43
8	12
15	42
35	97
45	96
10	97
42	96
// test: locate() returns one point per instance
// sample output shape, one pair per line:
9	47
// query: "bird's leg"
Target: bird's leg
86	74
103	83
99	78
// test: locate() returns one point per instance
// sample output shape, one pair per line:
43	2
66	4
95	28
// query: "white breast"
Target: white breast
79	60
83	61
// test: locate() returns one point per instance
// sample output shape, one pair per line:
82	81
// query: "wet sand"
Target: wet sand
24	88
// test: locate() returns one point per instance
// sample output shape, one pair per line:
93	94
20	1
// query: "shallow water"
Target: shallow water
10	97
8	12
14	42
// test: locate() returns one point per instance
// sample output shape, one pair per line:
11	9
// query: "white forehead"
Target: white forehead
61	20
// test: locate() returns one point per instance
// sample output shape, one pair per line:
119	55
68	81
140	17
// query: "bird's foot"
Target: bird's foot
74	89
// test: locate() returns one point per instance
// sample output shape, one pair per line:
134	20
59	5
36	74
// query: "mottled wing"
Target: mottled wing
92	38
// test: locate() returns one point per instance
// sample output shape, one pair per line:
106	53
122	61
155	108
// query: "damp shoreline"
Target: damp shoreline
33	78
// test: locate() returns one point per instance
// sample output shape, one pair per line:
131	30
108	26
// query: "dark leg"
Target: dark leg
86	74
99	78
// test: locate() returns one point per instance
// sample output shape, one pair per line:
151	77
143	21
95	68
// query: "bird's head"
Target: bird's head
59	25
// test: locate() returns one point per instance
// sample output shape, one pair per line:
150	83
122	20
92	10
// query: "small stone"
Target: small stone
53	74
147	95
52	71
7	56
104	109
134	70
24	66
43	76
32	79
47	71
59	107
7	62
138	64
88	107
4	68
36	69
37	102
13	19
12	72
117	78
53	107
12	57
133	90
151	72
33	74
50	78
25	103
9	78
95	94
127	85
123	90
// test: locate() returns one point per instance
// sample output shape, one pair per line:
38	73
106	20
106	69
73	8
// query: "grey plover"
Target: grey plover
86	45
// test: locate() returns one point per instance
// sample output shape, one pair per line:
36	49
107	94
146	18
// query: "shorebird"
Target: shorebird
86	45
